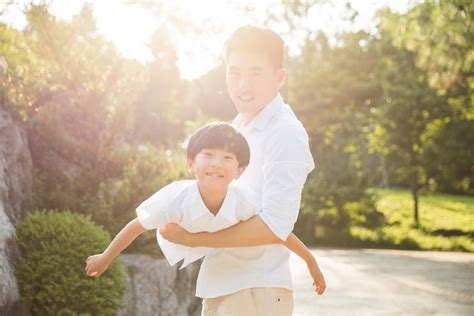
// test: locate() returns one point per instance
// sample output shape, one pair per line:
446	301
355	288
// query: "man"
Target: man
280	161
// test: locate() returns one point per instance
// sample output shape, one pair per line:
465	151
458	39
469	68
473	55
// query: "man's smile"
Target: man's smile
246	99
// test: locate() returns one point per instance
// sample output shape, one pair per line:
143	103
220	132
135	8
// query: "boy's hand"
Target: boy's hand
318	279
96	265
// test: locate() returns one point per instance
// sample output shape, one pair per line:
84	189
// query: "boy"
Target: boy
280	162
217	154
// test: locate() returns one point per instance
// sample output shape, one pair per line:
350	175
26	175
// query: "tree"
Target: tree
332	90
439	34
400	128
160	113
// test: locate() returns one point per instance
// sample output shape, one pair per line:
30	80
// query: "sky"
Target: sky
129	27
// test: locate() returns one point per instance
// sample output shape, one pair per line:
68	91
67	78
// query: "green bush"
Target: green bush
51	272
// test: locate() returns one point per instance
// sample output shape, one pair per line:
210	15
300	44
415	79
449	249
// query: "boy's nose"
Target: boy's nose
216	162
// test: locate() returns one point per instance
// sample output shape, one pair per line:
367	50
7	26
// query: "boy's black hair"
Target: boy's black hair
219	135
255	39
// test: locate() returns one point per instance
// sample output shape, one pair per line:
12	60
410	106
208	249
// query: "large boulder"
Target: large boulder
15	201
155	288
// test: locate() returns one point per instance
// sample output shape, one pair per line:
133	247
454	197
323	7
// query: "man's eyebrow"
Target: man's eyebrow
234	68
256	68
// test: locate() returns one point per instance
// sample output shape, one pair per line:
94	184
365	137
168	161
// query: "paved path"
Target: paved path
387	282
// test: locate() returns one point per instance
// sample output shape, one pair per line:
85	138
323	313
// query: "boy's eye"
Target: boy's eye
229	158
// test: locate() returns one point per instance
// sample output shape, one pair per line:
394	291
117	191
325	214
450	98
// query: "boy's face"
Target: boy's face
252	81
215	168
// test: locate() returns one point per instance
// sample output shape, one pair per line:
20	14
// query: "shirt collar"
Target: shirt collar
262	119
197	208
229	206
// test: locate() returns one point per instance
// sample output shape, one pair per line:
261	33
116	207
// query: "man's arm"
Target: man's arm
252	232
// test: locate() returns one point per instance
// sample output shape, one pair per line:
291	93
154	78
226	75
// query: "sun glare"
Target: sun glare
130	26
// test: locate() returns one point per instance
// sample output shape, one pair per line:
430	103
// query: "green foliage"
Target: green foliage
447	220
111	200
161	111
92	119
51	271
18	90
145	170
449	157
440	32
439	35
331	90
392	107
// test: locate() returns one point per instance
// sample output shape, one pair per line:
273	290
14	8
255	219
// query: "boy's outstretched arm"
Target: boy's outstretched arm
97	264
296	245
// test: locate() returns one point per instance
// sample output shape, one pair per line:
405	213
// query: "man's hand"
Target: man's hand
175	233
96	265
318	279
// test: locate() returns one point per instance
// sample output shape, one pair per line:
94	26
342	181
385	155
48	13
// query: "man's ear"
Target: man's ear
240	170
190	164
281	76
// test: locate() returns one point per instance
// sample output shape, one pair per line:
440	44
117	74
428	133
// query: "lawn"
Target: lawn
451	213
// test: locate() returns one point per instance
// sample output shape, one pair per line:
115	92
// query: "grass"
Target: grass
436	211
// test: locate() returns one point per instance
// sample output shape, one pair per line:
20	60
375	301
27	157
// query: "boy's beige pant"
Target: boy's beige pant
249	302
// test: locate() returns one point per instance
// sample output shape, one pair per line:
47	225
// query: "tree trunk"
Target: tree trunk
385	182
414	192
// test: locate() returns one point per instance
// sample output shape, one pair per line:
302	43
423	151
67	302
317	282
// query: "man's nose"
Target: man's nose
244	84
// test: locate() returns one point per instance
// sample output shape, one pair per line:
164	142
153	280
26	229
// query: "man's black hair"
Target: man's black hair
258	40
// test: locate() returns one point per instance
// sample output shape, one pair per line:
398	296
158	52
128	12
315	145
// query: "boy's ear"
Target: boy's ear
240	170
281	76
190	164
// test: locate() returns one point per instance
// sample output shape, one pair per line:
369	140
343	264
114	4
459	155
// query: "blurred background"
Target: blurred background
107	92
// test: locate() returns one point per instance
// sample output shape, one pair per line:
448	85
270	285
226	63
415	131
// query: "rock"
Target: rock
155	288
15	201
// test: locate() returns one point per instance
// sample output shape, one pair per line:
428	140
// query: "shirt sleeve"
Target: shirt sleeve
246	205
288	161
155	211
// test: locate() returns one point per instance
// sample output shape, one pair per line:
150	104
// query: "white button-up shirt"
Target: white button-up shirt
180	202
280	161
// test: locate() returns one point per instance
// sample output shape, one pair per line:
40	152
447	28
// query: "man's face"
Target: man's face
252	81
215	168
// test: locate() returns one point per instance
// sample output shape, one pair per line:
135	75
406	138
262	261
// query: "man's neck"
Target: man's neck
213	199
248	117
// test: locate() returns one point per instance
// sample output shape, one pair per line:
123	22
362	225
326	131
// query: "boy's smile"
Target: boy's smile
215	168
